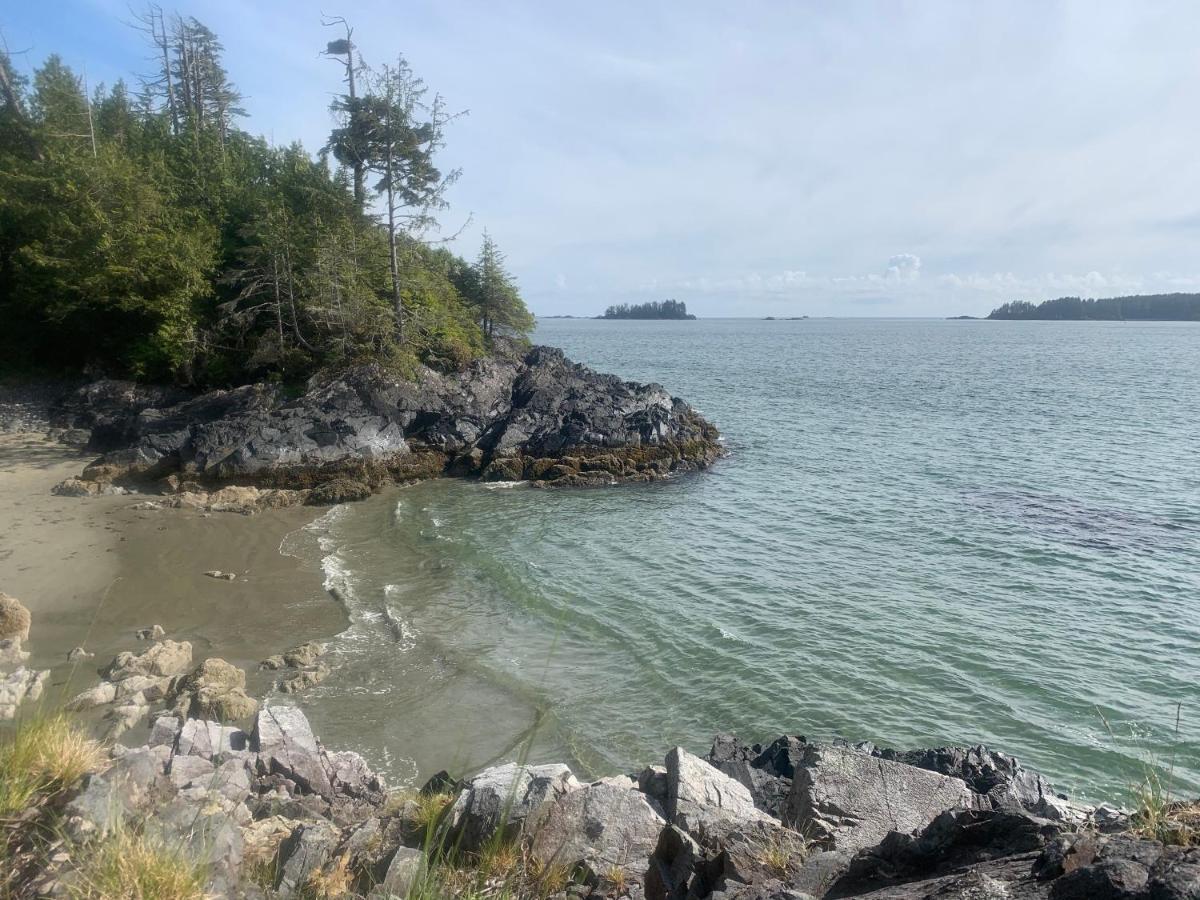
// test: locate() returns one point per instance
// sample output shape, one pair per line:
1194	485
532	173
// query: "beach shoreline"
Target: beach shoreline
95	570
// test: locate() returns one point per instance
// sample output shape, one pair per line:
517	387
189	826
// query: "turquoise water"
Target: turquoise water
925	532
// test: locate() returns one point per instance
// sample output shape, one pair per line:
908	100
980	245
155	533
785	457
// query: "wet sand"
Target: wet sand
94	570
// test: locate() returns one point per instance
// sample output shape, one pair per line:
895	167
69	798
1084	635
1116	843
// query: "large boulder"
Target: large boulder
286	746
500	799
19	686
215	690
844	799
164	659
14	618
705	802
603	829
765	771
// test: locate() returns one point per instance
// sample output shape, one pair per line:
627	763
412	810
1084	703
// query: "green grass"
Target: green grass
125	865
42	757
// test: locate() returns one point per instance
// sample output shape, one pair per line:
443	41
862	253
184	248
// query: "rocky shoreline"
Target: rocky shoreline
259	807
533	416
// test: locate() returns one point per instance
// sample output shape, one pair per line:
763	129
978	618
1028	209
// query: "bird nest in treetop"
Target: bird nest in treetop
338	48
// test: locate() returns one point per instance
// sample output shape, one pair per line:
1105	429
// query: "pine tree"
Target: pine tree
499	305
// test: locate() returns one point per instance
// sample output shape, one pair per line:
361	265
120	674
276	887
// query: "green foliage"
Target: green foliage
666	309
1148	307
151	238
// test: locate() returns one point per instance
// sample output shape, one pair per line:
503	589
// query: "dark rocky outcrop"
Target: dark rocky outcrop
536	417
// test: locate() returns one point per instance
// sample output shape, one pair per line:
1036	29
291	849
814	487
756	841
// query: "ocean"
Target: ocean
924	533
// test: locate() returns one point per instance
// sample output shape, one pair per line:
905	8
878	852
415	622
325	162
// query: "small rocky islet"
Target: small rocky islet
519	415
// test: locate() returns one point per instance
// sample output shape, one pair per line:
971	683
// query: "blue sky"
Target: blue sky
838	158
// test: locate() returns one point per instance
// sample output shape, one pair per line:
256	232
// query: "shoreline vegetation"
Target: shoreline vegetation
1141	308
147	237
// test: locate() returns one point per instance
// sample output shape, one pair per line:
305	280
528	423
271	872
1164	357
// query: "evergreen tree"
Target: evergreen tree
498	304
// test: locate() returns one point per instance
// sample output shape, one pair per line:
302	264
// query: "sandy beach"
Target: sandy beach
95	570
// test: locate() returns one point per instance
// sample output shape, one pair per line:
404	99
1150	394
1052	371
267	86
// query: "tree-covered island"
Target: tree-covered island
1148	307
655	309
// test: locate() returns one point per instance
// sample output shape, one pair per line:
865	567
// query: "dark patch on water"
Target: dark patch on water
1088	525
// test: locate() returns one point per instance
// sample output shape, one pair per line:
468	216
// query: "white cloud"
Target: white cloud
903	267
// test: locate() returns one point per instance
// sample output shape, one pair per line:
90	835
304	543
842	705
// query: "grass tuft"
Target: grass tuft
129	865
42	757
335	880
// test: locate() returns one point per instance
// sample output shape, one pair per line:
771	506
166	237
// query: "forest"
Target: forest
1148	307
143	234
655	309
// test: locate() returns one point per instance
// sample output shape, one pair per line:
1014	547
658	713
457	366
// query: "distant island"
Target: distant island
655	309
784	318
1149	307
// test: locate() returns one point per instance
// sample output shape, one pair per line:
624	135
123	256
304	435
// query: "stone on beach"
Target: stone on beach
20	686
215	690
163	659
14	618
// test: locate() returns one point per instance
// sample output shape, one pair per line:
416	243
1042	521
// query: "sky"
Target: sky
751	159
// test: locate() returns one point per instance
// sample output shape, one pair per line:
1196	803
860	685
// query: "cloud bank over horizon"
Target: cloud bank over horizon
774	159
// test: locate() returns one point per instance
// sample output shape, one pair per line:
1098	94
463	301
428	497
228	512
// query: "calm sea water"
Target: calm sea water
925	533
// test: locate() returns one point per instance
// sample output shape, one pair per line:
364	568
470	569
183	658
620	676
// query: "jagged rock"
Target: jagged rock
353	431
677	860
164	731
338	490
502	798
122	718
273	663
153	633
215	690
303	679
306	654
846	800
287	746
238	499
150	687
954	841
86	487
11	654
261	840
350	776
78	654
403	872
765	772
1001	777
184	770
164	659
304	853
603	828
103	693
204	827
134	783
652	781
19	686
14	618
210	740
705	802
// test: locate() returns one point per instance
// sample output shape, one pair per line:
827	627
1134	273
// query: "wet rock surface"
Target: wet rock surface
525	416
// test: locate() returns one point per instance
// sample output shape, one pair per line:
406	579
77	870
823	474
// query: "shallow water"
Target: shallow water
925	532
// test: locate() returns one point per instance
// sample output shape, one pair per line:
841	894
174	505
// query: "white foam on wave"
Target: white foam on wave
501	485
